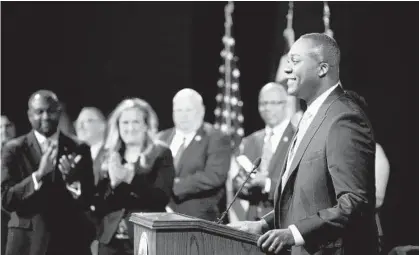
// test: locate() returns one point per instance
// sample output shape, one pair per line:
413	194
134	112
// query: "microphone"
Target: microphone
256	164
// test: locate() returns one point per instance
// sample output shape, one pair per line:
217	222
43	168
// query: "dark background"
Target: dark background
99	53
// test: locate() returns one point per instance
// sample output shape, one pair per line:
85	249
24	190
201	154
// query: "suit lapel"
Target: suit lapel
97	162
192	146
281	148
34	150
312	129
99	156
172	133
258	146
63	144
64	148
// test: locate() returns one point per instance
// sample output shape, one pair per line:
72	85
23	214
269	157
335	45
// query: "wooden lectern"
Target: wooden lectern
178	234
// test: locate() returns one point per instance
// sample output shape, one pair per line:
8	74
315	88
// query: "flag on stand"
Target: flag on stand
228	112
293	105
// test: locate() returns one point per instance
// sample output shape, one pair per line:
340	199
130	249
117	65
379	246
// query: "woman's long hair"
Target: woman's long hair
113	139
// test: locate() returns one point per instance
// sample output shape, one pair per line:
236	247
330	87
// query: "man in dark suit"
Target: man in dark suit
324	203
201	158
271	144
47	185
90	128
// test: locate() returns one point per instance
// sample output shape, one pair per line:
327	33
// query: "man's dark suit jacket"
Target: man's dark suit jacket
48	220
149	191
202	173
330	193
252	149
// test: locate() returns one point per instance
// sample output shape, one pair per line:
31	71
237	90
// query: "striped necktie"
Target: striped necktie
267	152
179	154
297	138
45	145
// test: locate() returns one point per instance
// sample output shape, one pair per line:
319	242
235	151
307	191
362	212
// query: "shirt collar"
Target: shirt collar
41	138
278	129
187	136
96	146
314	107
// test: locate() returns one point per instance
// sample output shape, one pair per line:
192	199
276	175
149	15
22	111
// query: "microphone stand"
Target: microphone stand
223	215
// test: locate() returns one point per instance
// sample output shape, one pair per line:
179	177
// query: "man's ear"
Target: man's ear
323	69
203	111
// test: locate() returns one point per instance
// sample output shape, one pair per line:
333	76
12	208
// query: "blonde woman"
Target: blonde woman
137	175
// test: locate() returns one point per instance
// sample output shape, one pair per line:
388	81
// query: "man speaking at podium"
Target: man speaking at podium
324	201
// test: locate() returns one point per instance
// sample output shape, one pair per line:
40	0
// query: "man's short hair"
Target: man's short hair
325	47
51	96
281	87
189	94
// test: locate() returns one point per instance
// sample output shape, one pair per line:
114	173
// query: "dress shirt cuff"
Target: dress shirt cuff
298	238
36	184
268	184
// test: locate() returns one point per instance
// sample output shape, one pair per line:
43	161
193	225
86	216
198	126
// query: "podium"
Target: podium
178	234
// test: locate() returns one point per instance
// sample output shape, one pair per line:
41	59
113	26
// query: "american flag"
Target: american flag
228	112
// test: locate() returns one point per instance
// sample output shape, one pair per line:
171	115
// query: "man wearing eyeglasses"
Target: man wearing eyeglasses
271	144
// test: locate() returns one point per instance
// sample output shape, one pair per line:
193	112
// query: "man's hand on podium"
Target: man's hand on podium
254	227
276	240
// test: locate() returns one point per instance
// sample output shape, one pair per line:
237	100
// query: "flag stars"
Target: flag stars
226	99
235	86
236	73
224	128
229	41
220	83
225	113
233	101
217	112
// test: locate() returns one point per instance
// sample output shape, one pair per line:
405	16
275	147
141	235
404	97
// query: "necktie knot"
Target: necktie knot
45	145
306	116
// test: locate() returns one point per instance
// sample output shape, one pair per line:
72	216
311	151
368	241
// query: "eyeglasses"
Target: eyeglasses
273	103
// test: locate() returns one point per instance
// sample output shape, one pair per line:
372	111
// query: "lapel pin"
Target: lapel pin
198	138
286	139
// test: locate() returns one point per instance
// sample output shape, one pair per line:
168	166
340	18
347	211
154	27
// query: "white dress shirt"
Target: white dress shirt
94	149
41	139
178	140
308	117
278	132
